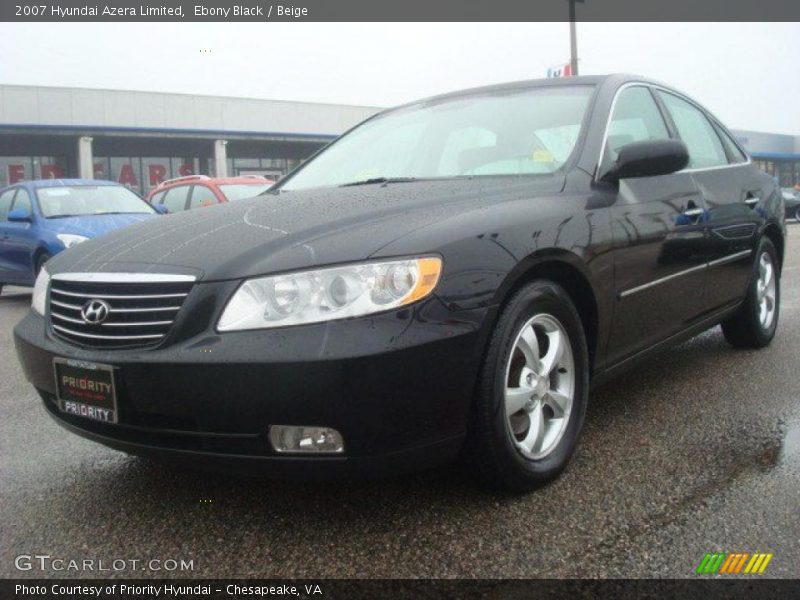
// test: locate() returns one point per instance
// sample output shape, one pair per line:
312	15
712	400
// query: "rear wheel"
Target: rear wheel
754	323
797	214
533	390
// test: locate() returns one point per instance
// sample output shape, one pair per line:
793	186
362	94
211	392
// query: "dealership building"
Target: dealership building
142	138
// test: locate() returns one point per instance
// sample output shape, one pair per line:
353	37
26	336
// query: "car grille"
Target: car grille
136	312
735	231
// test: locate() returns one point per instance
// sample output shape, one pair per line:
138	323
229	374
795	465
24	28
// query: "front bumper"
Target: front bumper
397	386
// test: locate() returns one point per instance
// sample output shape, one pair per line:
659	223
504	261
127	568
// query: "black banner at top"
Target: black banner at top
397	10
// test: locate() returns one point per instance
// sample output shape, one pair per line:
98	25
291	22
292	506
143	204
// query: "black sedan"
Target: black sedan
450	277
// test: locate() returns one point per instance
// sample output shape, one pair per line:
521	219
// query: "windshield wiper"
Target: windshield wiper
64	216
379	180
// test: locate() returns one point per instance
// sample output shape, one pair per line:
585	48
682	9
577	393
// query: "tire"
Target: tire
797	214
504	450
754	323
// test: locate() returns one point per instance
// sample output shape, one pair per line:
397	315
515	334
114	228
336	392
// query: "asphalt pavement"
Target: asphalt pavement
696	451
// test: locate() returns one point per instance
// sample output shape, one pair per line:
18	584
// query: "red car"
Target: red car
193	191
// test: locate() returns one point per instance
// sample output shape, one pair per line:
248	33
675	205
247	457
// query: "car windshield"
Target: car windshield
238	191
82	200
528	132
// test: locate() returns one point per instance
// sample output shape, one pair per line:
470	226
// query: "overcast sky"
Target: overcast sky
747	73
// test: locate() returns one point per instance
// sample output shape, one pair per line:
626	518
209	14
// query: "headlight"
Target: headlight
328	294
69	239
39	298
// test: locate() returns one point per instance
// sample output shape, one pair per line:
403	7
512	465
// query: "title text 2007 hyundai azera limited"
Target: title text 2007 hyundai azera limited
451	275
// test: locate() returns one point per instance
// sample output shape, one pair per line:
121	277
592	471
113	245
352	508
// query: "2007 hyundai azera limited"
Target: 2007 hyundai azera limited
449	275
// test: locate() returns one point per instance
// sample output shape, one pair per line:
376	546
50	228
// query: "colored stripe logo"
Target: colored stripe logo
734	563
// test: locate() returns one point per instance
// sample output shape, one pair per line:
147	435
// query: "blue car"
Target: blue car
41	218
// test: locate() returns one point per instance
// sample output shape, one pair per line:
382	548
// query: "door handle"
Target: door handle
752	201
693	212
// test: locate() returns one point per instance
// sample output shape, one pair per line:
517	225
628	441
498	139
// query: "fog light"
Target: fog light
297	438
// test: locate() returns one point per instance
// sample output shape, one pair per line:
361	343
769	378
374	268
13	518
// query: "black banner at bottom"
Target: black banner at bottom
391	589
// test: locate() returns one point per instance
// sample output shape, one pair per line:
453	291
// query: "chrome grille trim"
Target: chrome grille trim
108	337
124	277
141	307
69	319
65	305
138	324
118	310
120	297
142	310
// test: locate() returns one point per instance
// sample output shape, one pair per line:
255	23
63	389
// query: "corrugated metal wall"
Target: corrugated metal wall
73	107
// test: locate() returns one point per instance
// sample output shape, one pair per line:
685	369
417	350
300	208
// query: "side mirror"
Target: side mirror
19	215
161	209
648	159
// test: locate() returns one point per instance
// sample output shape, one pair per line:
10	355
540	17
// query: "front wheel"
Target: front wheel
797	214
753	325
533	390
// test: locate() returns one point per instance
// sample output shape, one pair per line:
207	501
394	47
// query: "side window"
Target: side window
5	202
202	196
735	154
703	143
23	200
175	198
636	118
157	198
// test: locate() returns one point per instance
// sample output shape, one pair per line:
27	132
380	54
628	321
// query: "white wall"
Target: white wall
32	105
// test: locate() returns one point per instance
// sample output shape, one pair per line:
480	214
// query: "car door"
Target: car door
658	230
6	199
21	241
734	192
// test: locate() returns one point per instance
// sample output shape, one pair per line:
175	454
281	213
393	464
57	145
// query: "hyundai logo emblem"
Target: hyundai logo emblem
95	311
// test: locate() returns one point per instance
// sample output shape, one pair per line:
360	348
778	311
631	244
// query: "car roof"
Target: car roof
596	80
195	179
241	179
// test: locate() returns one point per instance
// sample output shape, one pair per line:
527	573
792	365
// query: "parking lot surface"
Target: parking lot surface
695	451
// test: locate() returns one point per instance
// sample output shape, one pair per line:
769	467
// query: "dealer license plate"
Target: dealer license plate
86	389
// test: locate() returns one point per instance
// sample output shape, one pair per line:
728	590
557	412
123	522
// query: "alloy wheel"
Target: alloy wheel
539	386
765	290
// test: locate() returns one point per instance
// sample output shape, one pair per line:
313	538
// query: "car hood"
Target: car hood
92	226
292	230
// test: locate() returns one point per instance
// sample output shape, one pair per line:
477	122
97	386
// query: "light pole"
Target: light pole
573	39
